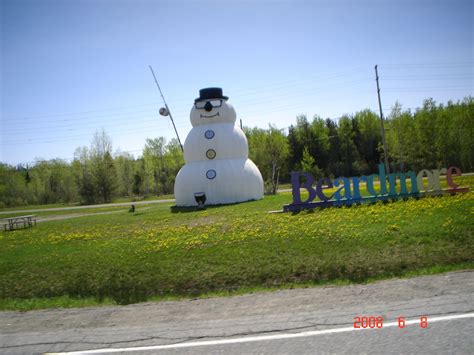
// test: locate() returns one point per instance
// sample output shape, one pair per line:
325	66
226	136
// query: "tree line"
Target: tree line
96	175
433	136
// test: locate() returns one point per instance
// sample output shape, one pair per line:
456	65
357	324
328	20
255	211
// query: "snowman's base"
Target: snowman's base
177	209
218	182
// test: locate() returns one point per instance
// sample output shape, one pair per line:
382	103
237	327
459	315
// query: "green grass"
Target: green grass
158	254
69	302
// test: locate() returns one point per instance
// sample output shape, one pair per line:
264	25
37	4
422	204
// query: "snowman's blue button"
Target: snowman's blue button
211	174
209	134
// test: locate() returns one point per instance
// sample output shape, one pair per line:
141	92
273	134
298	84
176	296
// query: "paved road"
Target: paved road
312	320
89	206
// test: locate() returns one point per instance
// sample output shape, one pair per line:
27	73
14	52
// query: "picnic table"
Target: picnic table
12	222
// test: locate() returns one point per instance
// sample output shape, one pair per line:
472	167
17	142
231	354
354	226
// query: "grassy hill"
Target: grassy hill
155	253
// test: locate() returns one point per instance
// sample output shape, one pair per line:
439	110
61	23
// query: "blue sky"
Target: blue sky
70	68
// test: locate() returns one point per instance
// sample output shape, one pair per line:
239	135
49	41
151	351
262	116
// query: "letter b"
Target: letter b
296	185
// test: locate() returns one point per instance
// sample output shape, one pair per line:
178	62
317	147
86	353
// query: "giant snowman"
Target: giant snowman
217	169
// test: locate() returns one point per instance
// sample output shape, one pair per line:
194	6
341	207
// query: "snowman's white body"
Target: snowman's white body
216	161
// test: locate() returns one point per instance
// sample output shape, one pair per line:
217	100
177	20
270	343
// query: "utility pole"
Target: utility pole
241	127
385	149
167	108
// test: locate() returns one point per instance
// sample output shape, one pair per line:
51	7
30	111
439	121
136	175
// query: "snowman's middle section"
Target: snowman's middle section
214	142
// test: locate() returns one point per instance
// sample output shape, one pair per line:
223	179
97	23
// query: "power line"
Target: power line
438	78
244	112
76	113
156	104
80	118
427	89
246	97
64	139
288	83
253	102
426	65
66	128
112	116
355	70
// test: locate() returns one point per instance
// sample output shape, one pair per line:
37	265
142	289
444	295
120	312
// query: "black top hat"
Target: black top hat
210	93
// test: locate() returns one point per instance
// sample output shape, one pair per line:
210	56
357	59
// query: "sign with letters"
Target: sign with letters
391	187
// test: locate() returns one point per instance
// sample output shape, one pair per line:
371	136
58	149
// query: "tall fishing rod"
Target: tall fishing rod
165	111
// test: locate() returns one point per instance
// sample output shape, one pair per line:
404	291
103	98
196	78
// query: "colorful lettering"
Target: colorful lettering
348	189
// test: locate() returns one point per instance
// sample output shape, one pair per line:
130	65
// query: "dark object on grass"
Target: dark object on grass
132	209
200	198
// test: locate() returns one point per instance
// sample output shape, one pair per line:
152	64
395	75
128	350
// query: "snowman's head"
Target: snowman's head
212	107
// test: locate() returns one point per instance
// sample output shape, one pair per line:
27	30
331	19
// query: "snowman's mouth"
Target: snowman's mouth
217	114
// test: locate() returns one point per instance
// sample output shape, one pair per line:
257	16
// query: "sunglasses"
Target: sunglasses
214	103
